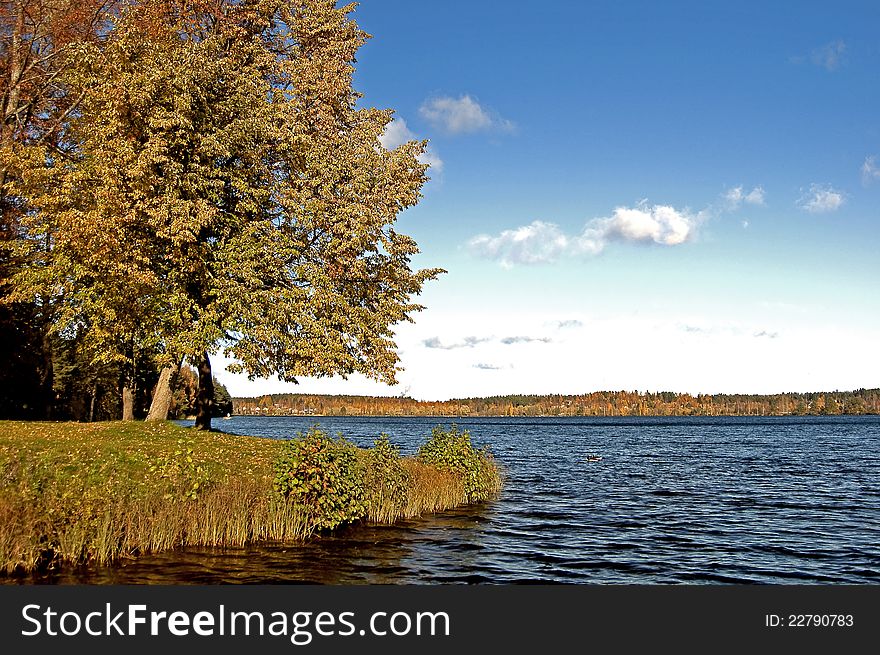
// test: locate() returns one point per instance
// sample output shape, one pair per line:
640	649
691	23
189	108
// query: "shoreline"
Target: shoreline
96	493
504	416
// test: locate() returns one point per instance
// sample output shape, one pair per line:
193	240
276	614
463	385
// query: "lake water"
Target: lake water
674	500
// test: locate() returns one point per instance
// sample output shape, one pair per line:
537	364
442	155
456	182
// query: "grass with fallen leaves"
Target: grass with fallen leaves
74	493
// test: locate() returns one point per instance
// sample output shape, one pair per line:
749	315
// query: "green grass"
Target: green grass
72	493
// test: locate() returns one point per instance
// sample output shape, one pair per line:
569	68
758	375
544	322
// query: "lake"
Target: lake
673	500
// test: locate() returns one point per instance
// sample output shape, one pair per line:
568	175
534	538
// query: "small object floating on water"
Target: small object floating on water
593	458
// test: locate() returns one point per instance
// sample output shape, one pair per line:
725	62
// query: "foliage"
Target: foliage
386	481
599	403
186	478
323	475
451	450
185	389
218	187
338	483
222	404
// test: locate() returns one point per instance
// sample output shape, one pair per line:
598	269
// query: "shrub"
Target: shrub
385	480
452	450
322	475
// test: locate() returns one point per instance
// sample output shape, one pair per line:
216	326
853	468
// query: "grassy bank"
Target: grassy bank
75	493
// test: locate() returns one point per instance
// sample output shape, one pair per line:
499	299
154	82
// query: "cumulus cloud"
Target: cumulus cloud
467	342
541	242
736	196
397	133
659	224
508	341
821	198
870	171
536	243
461	115
829	56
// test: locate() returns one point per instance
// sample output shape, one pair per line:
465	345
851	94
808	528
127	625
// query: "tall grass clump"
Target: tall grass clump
386	482
430	489
451	450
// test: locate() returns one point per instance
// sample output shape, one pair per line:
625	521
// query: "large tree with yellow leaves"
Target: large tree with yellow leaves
225	191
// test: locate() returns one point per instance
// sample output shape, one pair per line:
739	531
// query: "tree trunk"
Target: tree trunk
92	403
161	403
127	403
15	68
205	397
47	375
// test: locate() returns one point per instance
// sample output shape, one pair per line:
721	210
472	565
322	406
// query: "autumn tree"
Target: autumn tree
36	47
227	193
38	42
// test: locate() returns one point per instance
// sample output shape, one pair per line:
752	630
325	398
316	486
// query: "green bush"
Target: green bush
386	481
335	482
322	475
452	450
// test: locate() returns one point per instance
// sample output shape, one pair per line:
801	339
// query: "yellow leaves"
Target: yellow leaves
208	204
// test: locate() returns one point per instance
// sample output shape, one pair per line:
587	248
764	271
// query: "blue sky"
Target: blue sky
634	195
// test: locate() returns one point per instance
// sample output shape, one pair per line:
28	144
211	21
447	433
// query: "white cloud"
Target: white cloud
829	56
461	115
736	196
467	342
508	341
755	196
397	133
536	243
821	198
870	171
544	243
432	159
659	224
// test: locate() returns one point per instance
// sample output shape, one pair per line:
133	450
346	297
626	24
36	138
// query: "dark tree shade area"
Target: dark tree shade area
23	374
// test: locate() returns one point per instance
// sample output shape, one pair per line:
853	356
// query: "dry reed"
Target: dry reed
75	494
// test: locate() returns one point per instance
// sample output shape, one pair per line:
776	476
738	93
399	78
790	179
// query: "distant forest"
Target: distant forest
602	403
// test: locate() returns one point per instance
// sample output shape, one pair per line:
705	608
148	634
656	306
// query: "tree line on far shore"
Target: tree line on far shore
180	178
602	403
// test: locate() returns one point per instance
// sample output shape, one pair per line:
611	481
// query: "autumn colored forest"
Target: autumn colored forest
603	403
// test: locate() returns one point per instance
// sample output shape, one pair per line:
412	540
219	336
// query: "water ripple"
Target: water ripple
674	500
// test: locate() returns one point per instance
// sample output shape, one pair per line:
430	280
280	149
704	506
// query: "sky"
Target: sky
678	196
